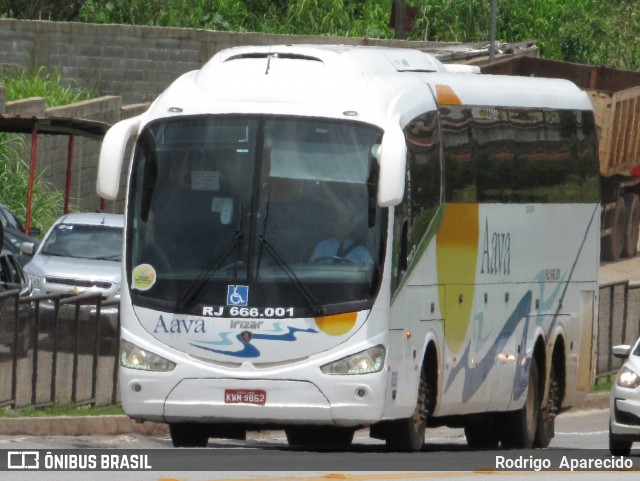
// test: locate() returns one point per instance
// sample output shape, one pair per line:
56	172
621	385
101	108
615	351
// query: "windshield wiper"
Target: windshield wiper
312	302
201	281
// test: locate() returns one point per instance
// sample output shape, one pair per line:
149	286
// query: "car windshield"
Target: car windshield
97	242
281	209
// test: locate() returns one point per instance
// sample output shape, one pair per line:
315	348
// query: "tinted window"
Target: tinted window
422	193
509	155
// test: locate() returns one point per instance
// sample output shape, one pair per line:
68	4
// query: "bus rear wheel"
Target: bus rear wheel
189	435
547	416
518	428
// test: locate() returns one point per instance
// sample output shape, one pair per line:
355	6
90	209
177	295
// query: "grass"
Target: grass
603	384
67	410
47	202
43	83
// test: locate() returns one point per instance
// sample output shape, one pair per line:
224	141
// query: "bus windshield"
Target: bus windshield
256	212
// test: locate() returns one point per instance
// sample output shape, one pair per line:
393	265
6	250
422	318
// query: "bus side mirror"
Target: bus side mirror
392	157
112	153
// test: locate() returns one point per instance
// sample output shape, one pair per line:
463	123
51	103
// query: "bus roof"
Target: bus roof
329	80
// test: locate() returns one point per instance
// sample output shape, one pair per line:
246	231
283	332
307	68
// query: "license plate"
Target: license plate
245	396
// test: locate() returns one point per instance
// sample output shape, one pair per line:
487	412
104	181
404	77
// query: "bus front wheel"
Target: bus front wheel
408	434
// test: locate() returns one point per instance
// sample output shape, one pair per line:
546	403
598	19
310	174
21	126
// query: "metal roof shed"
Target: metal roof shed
69	126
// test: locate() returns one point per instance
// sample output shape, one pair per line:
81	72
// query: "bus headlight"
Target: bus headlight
628	378
135	357
365	362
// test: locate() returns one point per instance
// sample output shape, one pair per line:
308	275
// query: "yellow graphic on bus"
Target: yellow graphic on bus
457	257
338	324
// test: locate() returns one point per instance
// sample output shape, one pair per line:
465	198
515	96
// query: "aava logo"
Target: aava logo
496	252
179	326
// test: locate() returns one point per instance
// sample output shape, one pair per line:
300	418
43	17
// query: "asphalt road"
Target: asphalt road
266	457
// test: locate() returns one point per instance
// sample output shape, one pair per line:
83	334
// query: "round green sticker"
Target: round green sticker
144	277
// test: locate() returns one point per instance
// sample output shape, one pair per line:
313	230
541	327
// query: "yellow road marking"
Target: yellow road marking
400	476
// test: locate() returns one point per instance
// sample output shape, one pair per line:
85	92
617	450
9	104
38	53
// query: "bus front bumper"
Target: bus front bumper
344	401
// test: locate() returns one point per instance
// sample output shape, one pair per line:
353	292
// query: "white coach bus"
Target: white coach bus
325	238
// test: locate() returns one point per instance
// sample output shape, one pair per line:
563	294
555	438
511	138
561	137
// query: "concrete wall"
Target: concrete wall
128	66
132	61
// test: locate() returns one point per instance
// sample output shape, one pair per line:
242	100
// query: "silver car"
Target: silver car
81	253
624	423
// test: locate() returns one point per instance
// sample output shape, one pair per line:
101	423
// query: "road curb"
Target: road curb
598	400
78	426
116	425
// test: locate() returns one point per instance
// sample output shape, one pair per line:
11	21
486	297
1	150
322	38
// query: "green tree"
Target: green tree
585	31
64	10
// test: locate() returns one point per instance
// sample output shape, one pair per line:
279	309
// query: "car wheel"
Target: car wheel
617	446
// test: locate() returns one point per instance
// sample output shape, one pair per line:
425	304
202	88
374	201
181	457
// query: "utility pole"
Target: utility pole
399	16
492	35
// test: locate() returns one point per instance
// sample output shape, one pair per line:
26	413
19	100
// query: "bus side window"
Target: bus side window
424	183
414	216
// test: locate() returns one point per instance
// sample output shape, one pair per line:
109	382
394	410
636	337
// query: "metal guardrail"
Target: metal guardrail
58	350
618	323
61	351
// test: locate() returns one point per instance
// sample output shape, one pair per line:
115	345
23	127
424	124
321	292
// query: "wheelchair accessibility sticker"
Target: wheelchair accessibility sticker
237	295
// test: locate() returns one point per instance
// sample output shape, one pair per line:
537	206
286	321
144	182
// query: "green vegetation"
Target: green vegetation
47	202
68	410
583	31
49	85
603	384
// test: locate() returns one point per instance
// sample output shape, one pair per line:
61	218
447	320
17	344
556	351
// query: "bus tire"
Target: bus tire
518	428
547	417
613	243
632	223
408	434
189	435
320	437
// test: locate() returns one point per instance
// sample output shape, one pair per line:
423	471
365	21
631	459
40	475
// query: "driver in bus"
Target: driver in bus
342	247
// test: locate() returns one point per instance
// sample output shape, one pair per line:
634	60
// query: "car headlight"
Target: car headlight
36	281
135	357
365	362
628	378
